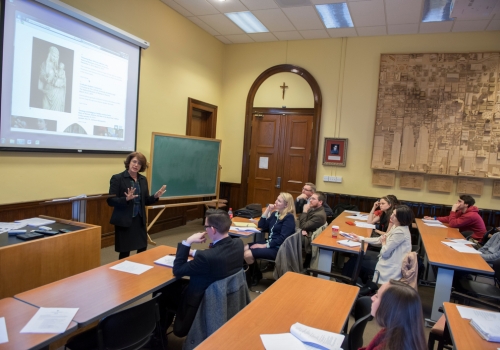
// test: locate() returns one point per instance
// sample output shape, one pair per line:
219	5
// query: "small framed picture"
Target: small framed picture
335	152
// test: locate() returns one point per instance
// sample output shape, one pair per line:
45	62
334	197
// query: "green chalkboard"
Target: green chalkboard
189	166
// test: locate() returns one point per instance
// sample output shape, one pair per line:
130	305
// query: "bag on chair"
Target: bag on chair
250	211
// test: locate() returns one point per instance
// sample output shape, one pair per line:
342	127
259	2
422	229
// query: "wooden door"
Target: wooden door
279	156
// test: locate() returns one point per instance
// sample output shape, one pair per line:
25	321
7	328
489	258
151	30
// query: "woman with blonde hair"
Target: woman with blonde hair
279	220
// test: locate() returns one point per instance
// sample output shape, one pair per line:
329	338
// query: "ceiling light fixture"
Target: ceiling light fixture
335	15
437	11
247	21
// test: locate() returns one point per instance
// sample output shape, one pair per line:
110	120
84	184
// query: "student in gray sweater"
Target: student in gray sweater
491	250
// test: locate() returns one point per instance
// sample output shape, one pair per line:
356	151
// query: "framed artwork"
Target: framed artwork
335	152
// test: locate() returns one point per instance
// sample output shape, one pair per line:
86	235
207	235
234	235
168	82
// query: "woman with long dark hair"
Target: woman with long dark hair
381	213
398	310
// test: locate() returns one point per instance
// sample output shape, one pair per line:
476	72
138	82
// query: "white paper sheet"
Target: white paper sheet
357	217
469	313
352	212
436	225
131	267
167	260
50	320
328	340
281	341
364	225
263	162
7	226
460	241
349	243
431	221
35	222
462	248
346	235
4	338
243	229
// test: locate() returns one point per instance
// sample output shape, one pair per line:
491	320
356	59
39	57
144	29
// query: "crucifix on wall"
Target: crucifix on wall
284	87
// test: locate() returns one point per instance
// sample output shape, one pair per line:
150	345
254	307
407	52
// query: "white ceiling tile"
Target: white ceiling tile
228	6
304	18
223	39
341	32
259	4
372	31
410	28
367	13
222	24
314	34
436	27
292	3
494	25
403	11
274	20
293	35
198	7
321	2
239	38
177	7
262	37
470	26
203	25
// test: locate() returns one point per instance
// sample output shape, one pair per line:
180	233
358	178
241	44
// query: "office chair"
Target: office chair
478	289
128	329
362	314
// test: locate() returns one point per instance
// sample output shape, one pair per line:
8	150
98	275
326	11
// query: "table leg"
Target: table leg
325	262
441	292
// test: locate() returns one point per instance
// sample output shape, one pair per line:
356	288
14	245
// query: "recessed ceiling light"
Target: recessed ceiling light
335	15
247	21
437	11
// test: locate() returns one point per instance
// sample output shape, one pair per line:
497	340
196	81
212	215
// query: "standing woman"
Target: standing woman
381	217
398	310
279	220
131	196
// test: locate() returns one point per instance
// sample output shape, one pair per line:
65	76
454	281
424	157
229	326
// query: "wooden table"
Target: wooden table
463	335
447	260
244	234
293	298
328	244
17	314
101	291
27	265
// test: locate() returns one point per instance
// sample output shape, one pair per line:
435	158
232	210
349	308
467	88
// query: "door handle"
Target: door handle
278	182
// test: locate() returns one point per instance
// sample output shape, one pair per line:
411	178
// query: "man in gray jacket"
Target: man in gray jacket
491	250
313	216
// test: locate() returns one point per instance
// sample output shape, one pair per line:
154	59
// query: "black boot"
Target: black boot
307	262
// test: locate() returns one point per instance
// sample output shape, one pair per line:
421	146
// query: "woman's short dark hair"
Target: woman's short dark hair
140	157
404	215
400	313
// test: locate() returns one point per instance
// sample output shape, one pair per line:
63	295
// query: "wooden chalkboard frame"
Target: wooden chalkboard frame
150	170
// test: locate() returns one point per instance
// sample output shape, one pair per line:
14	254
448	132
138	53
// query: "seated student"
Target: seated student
395	245
303	199
491	250
225	258
313	217
380	217
398	310
464	216
279	220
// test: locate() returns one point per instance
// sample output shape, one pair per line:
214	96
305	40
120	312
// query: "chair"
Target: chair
346	279
486	237
478	289
467	234
128	329
310	250
362	314
441	334
222	300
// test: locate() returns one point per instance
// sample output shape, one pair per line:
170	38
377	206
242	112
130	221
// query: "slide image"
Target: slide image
33	123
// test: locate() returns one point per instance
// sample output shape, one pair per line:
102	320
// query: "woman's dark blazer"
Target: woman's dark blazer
123	209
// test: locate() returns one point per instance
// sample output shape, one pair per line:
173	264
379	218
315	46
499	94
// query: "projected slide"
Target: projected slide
69	89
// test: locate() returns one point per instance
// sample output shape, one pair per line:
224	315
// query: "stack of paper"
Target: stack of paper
462	248
243	229
302	337
349	243
166	261
346	235
487	330
35	222
352	212
433	223
358	217
244	224
364	225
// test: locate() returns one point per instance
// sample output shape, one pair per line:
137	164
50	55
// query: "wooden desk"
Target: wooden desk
447	260
293	298
17	314
463	335
240	233
27	265
327	244
101	291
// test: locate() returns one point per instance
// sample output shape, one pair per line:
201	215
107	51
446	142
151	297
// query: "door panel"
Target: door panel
265	144
285	140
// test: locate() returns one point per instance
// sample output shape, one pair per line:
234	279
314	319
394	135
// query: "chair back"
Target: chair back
130	328
222	300
496	268
485	239
362	314
289	257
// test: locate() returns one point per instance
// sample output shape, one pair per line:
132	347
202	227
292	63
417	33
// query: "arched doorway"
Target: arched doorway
250	111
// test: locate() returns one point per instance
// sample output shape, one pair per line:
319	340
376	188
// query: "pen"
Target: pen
171	254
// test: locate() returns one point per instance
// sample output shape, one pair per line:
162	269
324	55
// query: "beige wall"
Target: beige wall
347	73
183	61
